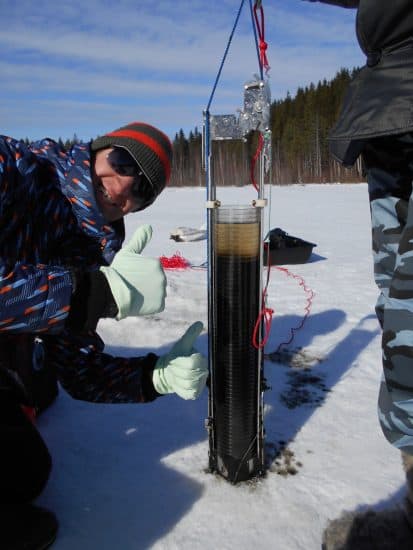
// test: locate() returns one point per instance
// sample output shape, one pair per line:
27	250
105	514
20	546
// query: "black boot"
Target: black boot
27	527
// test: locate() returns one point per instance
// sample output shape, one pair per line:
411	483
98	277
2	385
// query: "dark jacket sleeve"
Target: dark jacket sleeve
91	300
88	373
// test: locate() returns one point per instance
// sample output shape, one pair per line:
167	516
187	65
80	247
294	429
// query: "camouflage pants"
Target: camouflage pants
389	167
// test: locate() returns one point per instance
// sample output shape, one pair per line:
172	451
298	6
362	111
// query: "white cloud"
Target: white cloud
158	58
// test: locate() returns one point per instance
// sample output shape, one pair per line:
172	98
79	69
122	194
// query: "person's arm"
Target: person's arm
89	374
34	299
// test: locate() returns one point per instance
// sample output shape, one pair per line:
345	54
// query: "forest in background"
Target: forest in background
299	132
299	143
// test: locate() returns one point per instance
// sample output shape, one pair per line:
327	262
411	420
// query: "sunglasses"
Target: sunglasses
124	164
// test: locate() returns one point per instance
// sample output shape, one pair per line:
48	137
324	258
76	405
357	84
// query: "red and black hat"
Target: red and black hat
150	148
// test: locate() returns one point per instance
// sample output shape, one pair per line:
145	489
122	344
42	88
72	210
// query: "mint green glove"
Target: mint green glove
137	283
183	370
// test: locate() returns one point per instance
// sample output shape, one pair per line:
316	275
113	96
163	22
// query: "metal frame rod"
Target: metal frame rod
211	282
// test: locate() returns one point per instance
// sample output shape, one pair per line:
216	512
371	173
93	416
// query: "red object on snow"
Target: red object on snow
174	262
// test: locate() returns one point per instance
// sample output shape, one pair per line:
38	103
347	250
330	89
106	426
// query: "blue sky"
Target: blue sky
90	67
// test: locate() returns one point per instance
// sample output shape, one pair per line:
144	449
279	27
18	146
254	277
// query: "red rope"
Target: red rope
309	301
260	145
262	45
265	315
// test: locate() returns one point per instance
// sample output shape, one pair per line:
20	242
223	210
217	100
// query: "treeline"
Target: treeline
66	144
299	131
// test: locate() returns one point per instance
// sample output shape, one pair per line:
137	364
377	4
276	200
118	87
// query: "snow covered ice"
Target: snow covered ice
129	477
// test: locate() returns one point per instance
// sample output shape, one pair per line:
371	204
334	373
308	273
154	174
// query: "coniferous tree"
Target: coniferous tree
299	125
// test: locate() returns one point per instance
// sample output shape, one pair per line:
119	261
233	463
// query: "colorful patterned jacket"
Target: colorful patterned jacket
50	228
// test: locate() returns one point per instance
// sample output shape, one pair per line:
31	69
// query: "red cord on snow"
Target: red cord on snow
266	314
174	262
177	261
309	301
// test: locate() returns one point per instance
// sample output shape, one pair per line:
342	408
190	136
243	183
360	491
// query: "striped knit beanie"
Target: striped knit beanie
149	147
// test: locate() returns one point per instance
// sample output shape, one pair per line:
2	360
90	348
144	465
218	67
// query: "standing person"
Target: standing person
62	268
376	122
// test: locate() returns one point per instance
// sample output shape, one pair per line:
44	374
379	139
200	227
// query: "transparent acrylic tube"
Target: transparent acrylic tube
235	361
